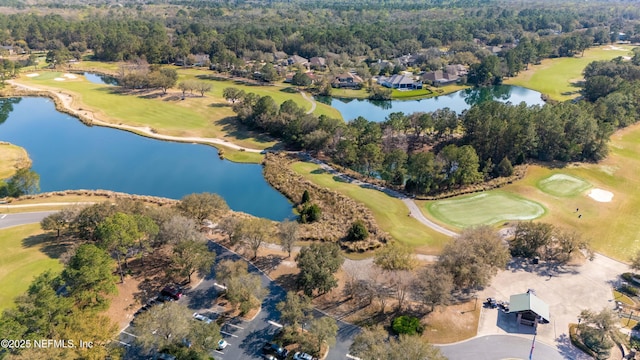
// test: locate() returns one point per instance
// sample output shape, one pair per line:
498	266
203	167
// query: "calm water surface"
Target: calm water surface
70	155
458	101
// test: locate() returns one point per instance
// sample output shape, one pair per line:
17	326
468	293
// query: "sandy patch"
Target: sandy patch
70	76
32	75
59	79
600	195
613	47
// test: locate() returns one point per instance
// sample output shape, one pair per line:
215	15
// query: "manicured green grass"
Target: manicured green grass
421	93
390	213
21	260
563	185
559	78
485	208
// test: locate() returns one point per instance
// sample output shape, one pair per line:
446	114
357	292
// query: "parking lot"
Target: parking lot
567	291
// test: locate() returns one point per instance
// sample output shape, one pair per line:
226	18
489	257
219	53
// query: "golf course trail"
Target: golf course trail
67	101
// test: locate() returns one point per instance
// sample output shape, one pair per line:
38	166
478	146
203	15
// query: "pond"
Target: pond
70	155
458	101
100	79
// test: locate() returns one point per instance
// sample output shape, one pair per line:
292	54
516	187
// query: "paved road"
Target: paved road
246	338
9	220
499	347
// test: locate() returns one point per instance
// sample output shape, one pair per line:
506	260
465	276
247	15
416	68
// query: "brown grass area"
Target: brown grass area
338	211
452	323
124	303
12	158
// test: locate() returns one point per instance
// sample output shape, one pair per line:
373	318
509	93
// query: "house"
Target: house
347	80
280	57
402	82
8	49
456	69
529	308
318	62
201	60
439	77
297	60
289	77
407	60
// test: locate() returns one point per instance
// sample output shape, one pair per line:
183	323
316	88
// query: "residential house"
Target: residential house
456	69
439	77
347	80
407	60
318	62
7	49
402	82
201	60
298	60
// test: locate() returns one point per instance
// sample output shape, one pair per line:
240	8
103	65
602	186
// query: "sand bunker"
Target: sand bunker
613	47
70	76
600	195
32	75
59	79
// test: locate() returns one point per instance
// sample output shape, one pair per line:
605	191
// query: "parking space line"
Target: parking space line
123	343
124	332
228	334
235	326
219	352
3	216
274	323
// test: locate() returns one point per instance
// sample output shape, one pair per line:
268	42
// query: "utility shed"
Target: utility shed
531	310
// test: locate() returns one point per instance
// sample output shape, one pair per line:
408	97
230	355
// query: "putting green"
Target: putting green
486	208
563	185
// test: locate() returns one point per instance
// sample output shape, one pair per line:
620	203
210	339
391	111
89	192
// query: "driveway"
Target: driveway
568	291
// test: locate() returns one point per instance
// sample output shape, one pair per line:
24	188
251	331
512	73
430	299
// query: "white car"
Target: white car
202	318
222	344
302	356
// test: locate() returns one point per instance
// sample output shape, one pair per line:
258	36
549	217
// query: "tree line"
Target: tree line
483	142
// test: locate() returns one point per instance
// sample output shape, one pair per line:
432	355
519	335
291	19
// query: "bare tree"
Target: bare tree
288	234
253	232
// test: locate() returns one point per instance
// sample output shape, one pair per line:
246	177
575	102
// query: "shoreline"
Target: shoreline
63	103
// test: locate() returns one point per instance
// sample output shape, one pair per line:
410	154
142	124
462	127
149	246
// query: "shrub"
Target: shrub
629	290
628	277
310	213
358	231
409	325
305	197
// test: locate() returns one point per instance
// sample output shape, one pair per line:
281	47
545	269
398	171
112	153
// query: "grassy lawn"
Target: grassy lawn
12	157
25	256
563	185
208	116
409	94
390	213
486	208
559	78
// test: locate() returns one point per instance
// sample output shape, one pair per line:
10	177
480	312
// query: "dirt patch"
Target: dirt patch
124	304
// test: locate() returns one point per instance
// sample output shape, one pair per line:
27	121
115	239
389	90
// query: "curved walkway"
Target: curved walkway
67	101
309	99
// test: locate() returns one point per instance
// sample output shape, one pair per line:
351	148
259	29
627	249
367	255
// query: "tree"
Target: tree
598	331
190	256
268	73
202	87
59	221
358	231
253	233
118	233
295	310
318	264
371	344
530	239
408	325
177	229
230	225
163	325
201	206
414	348
433	287
24	181
185	86
244	290
89	277
395	256
505	168
233	94
165	78
306	197
204	337
288	234
473	257
301	79
324	329
310	213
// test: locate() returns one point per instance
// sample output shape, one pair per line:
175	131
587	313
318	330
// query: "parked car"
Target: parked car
302	356
222	344
273	348
202	318
270	357
172	291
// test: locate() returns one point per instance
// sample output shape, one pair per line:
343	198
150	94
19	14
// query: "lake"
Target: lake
459	101
70	155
